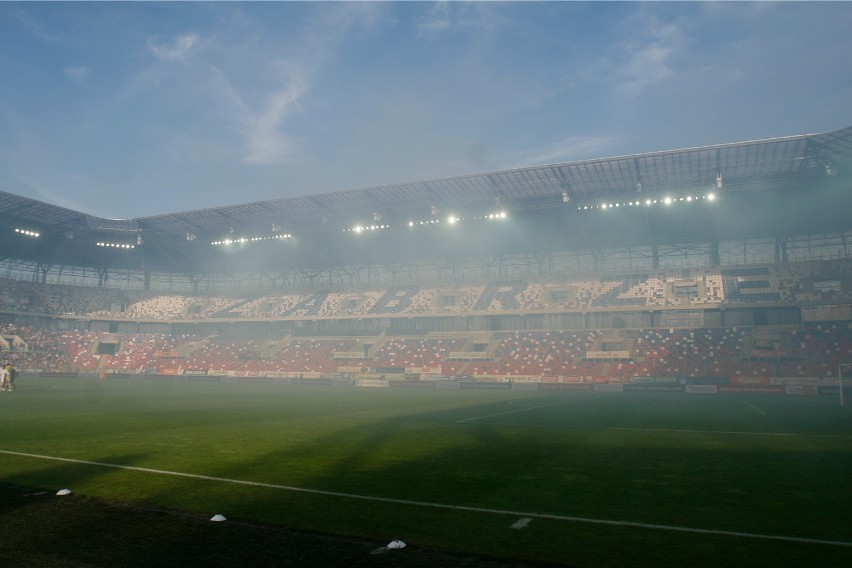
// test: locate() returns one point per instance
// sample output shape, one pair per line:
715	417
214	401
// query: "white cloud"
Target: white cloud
646	58
78	72
436	19
264	126
177	50
267	143
462	16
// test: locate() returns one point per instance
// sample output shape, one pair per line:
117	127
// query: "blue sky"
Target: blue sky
128	110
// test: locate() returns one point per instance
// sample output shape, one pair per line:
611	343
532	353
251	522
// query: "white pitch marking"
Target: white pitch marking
525	409
552	517
751	406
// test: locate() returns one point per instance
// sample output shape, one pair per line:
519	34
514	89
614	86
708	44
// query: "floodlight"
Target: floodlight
711	196
667	200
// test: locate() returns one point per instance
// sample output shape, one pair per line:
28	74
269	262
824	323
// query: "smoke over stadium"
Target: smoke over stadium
564	359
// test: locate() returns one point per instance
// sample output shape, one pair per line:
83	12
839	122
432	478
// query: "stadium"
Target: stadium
642	355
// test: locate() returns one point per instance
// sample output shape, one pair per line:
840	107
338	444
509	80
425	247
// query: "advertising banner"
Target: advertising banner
740	380
423	370
302	374
372	383
565	387
805	390
609	388
702	389
654	380
359	376
755	389
523	378
407	384
395	376
648	387
800	380
256	380
348	355
482	385
467	355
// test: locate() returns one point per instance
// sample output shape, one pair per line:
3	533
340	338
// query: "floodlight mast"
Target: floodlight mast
840	379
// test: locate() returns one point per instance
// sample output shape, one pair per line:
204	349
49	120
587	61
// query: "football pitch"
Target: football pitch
573	478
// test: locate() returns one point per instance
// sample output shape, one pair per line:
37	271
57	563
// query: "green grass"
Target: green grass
762	465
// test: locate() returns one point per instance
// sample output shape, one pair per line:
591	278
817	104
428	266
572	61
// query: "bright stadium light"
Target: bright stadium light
667	200
711	196
28	233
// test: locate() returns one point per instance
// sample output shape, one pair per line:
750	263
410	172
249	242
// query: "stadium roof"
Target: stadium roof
777	163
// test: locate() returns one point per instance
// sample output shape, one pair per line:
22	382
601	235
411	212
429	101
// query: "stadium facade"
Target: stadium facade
743	245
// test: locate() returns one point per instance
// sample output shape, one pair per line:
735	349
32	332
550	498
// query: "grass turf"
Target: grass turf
453	470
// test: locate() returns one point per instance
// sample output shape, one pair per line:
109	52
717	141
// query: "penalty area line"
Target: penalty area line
446	506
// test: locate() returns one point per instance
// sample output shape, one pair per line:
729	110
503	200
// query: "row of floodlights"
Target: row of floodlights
243	240
650	202
35	235
451	220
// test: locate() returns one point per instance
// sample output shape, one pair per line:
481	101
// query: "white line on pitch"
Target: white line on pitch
568	518
751	406
525	409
